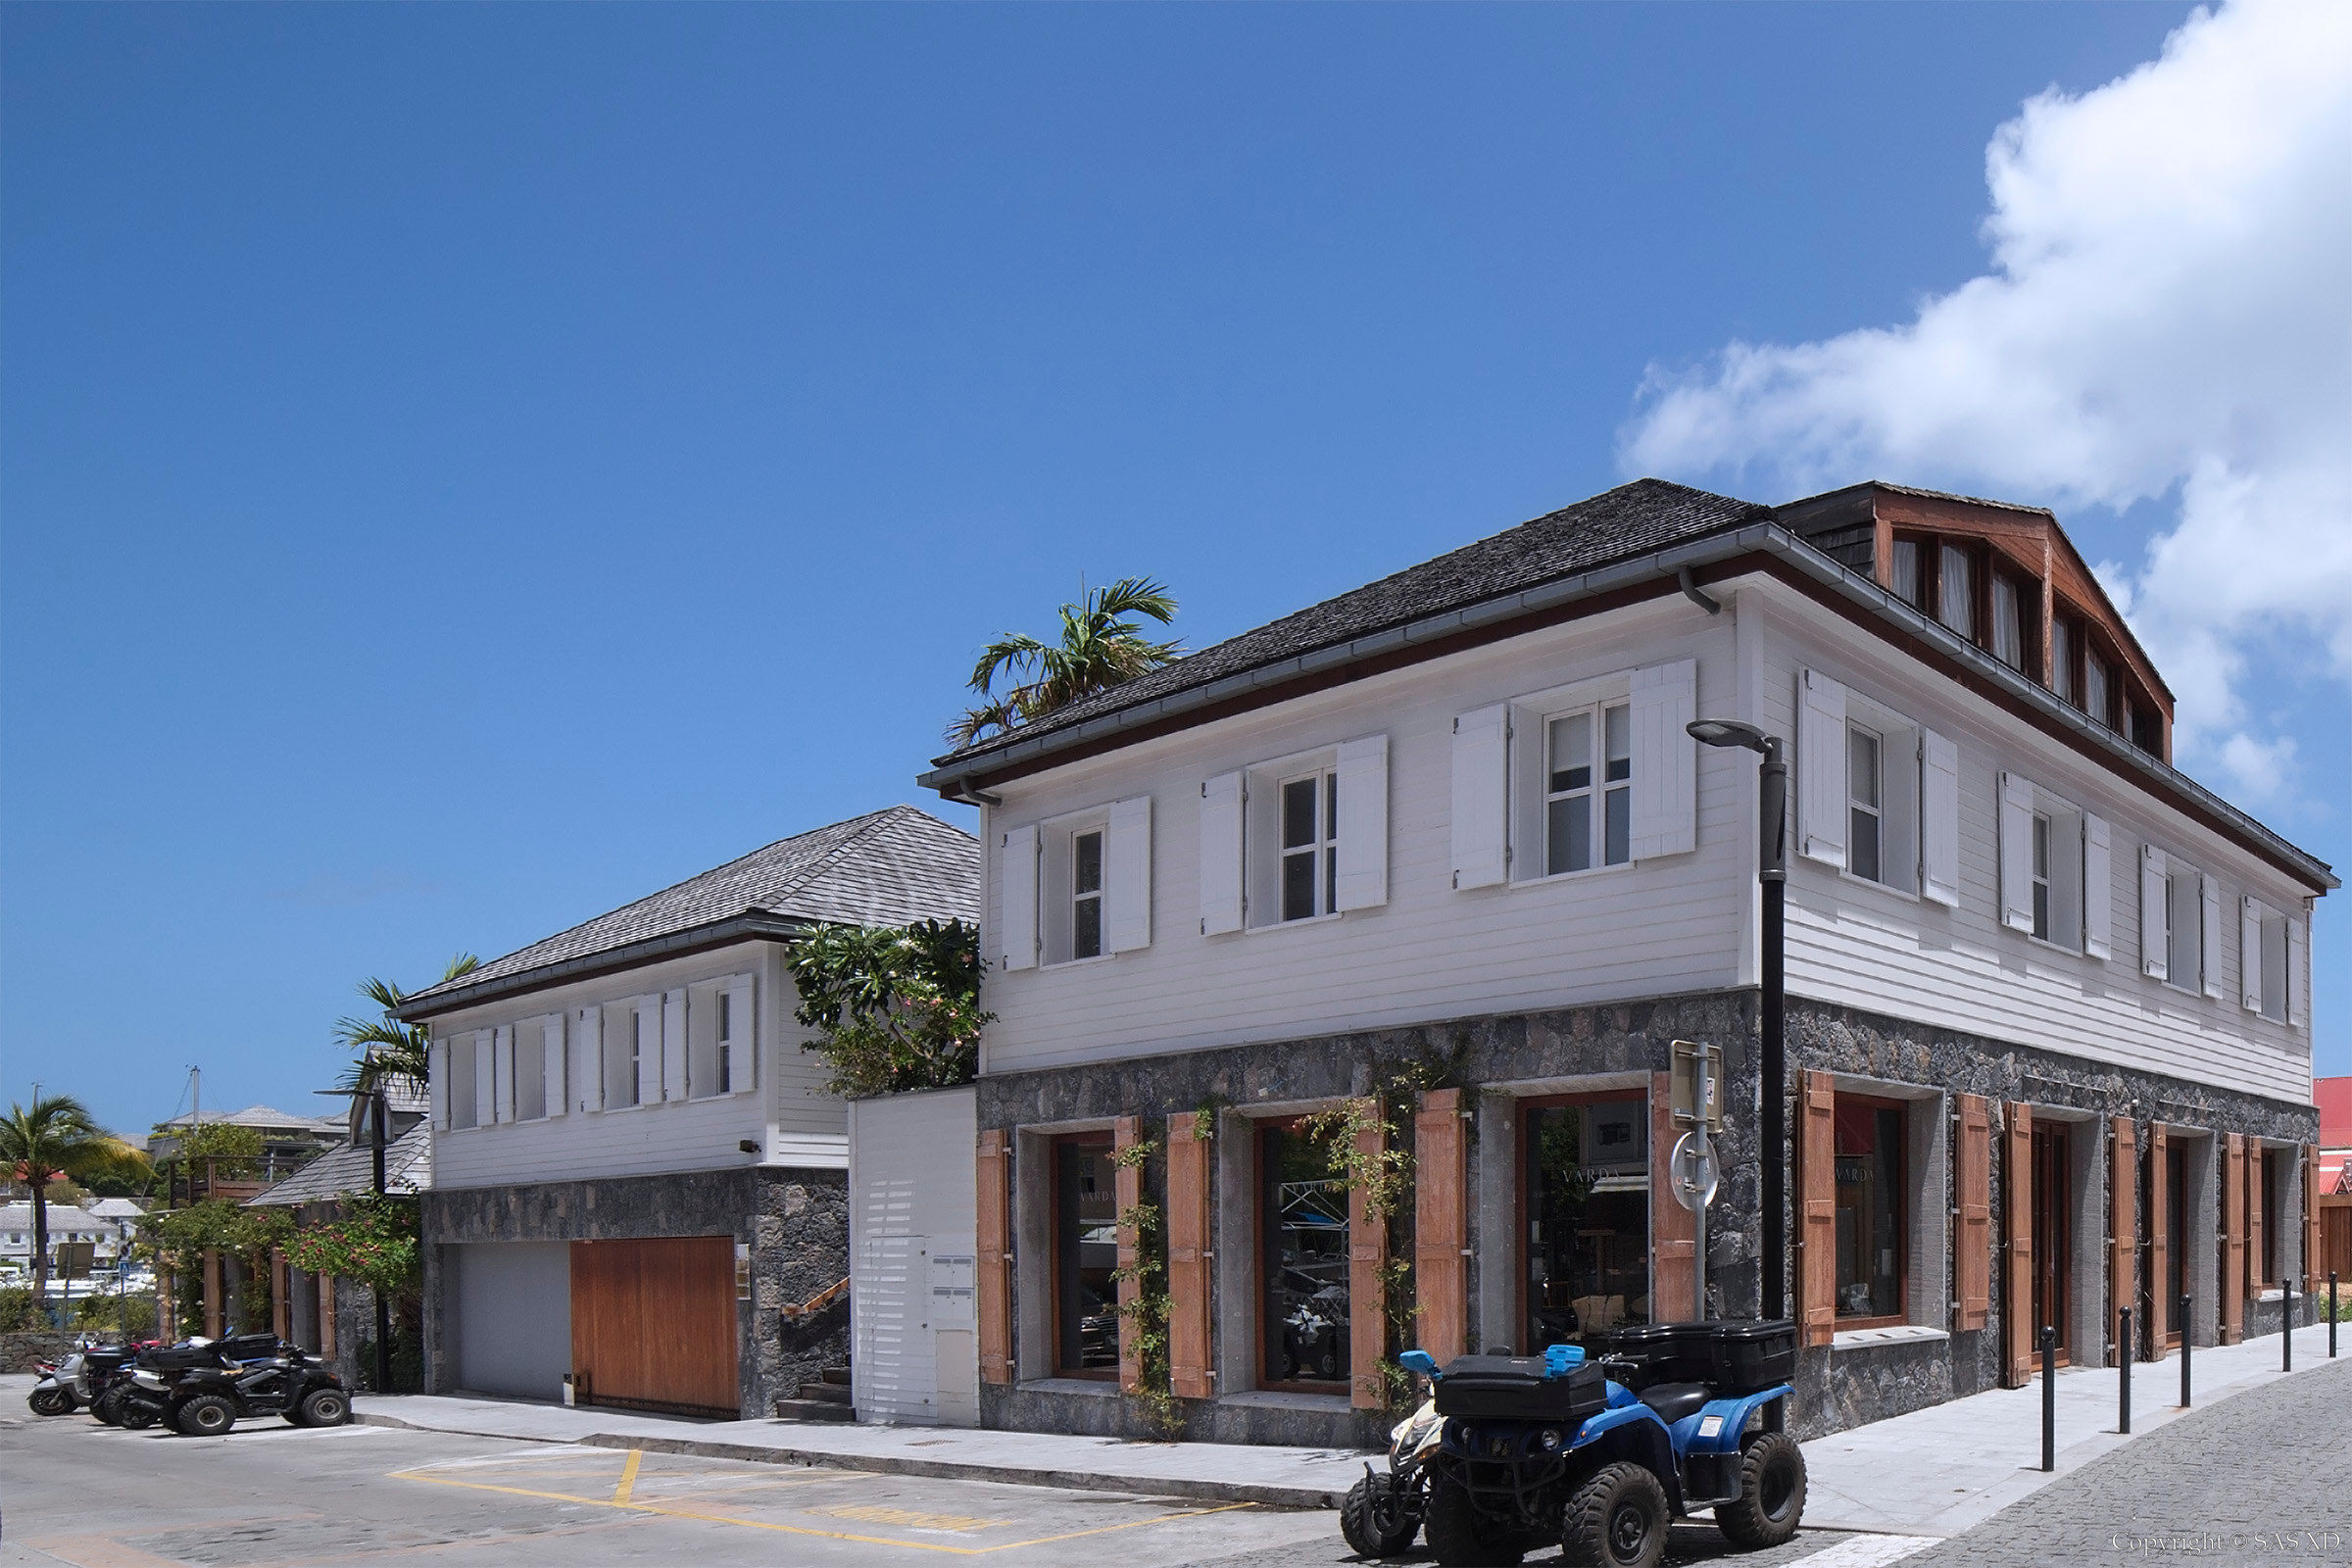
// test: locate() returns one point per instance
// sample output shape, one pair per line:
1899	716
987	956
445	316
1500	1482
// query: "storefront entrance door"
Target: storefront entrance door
1584	1200
2053	1243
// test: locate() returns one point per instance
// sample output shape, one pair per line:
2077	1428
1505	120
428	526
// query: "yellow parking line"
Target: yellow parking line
797	1530
629	1475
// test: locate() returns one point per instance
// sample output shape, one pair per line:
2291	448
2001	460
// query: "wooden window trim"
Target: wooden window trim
1267	1326
1055	1216
1902	1186
1521	1110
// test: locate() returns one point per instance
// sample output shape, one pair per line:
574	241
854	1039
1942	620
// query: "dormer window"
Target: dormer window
2008	623
1904	572
2094	687
1956	592
2062	662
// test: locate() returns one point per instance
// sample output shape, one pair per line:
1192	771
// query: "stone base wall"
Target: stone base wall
1839	1386
23	1352
795	1221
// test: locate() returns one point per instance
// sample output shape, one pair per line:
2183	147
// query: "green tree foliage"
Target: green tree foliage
1100	647
899	1006
386	1050
231	1150
375	1243
56	1137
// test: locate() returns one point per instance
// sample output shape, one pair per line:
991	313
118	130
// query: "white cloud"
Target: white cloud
2168	316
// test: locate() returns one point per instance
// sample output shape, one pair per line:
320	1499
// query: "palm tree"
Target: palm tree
1099	650
391	1053
57	1137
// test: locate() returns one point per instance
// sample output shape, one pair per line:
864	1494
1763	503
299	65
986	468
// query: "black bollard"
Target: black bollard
2188	1337
2049	1398
2122	1361
2332	1314
2286	1335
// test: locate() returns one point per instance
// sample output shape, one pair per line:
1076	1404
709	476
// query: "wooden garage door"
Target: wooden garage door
652	1324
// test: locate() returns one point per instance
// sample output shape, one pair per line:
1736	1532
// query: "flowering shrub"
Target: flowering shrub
375	1243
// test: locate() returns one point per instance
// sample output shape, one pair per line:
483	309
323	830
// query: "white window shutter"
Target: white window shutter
2017	853
743	1054
1363	823
1665	700
502	1072
589	1041
674	1044
1127	876
2294	968
2155	957
2249	954
1221	854
1017	866
1482	797
649	1051
437	1073
1821	769
2209	935
485	1077
1938	819
553	1025
2098	887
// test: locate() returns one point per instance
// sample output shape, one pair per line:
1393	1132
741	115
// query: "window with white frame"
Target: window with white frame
1078	886
1086	895
2265	960
530	1066
1309	810
1588	789
2041	875
2183	927
628	1043
1860	777
1866	803
459	1053
718	1036
2043	864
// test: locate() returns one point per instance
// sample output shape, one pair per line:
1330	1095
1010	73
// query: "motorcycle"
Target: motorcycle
1381	1514
54	1393
103	1368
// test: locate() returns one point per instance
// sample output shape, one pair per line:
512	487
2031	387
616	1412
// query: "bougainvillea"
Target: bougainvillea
375	1243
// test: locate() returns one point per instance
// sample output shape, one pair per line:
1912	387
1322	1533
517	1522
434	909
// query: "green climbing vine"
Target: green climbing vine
1147	1313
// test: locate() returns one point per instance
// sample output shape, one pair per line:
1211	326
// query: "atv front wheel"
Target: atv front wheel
1374	1519
107	1407
1772	1493
207	1415
1618	1519
1461	1537
323	1408
49	1402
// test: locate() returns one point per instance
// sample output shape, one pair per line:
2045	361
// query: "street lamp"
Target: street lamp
1771	870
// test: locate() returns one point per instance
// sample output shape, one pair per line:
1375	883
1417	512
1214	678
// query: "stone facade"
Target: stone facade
1838	1387
795	1221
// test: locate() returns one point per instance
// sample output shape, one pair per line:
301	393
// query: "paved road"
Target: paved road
269	1496
2262	1477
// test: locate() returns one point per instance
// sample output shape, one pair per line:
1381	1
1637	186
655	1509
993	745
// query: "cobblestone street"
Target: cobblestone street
2264	1477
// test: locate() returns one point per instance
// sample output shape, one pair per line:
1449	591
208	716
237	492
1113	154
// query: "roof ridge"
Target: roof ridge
862	826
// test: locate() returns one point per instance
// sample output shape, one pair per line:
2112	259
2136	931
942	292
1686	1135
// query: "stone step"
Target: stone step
824	1392
813	1410
837	1376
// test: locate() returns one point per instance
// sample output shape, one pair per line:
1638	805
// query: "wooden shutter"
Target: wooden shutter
649	1050
2017	853
2311	1272
554	1065
2294	968
2258	1273
1973	1264
1441	1225
1817	1209
1673	1229
2123	1197
1367	1257
1018	867
1482	797
485	1077
2233	1238
2017	1188
743	1048
1665	700
674	1044
993	1241
588	1039
437	1083
1938	819
2098	887
1127	876
1189	1254
1221	854
502	1073
1127	1185
2209	935
1821	779
2155	957
1362	870
2249	954
2160	1241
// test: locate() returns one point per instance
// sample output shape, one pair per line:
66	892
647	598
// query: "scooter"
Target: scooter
54	1393
1552	1449
1382	1513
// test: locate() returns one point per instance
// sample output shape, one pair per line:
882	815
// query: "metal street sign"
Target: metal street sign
1696	1083
1693	1172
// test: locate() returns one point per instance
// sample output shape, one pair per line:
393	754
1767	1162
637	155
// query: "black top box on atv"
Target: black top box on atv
1731	1358
237	1348
1520	1387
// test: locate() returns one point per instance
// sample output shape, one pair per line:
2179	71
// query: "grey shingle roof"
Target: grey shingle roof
1633	519
265	1117
350	1167
887	867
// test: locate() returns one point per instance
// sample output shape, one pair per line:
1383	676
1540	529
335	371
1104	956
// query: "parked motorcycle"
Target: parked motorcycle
104	1369
54	1393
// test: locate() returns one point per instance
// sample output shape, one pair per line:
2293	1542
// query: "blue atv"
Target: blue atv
1602	1456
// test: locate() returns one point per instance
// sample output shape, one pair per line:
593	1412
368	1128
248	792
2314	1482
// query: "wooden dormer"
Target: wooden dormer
2007	578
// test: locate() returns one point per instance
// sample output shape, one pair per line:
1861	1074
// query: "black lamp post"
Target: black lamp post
377	1113
1771	870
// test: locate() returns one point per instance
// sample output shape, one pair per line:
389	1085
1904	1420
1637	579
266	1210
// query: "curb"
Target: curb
1265	1494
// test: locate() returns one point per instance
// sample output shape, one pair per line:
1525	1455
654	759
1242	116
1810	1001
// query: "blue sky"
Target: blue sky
463	467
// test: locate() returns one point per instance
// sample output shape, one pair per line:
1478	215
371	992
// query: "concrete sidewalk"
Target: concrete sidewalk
1933	1472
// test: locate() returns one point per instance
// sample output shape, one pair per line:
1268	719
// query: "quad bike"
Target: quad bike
206	1401
1537	1450
1382	1513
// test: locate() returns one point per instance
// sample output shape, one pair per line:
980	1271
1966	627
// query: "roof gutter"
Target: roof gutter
957	778
752	924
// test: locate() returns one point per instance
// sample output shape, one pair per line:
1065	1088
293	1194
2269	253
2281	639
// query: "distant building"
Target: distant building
66	1224
2334	1096
288	1142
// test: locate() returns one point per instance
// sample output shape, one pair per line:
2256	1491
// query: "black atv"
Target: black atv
206	1402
